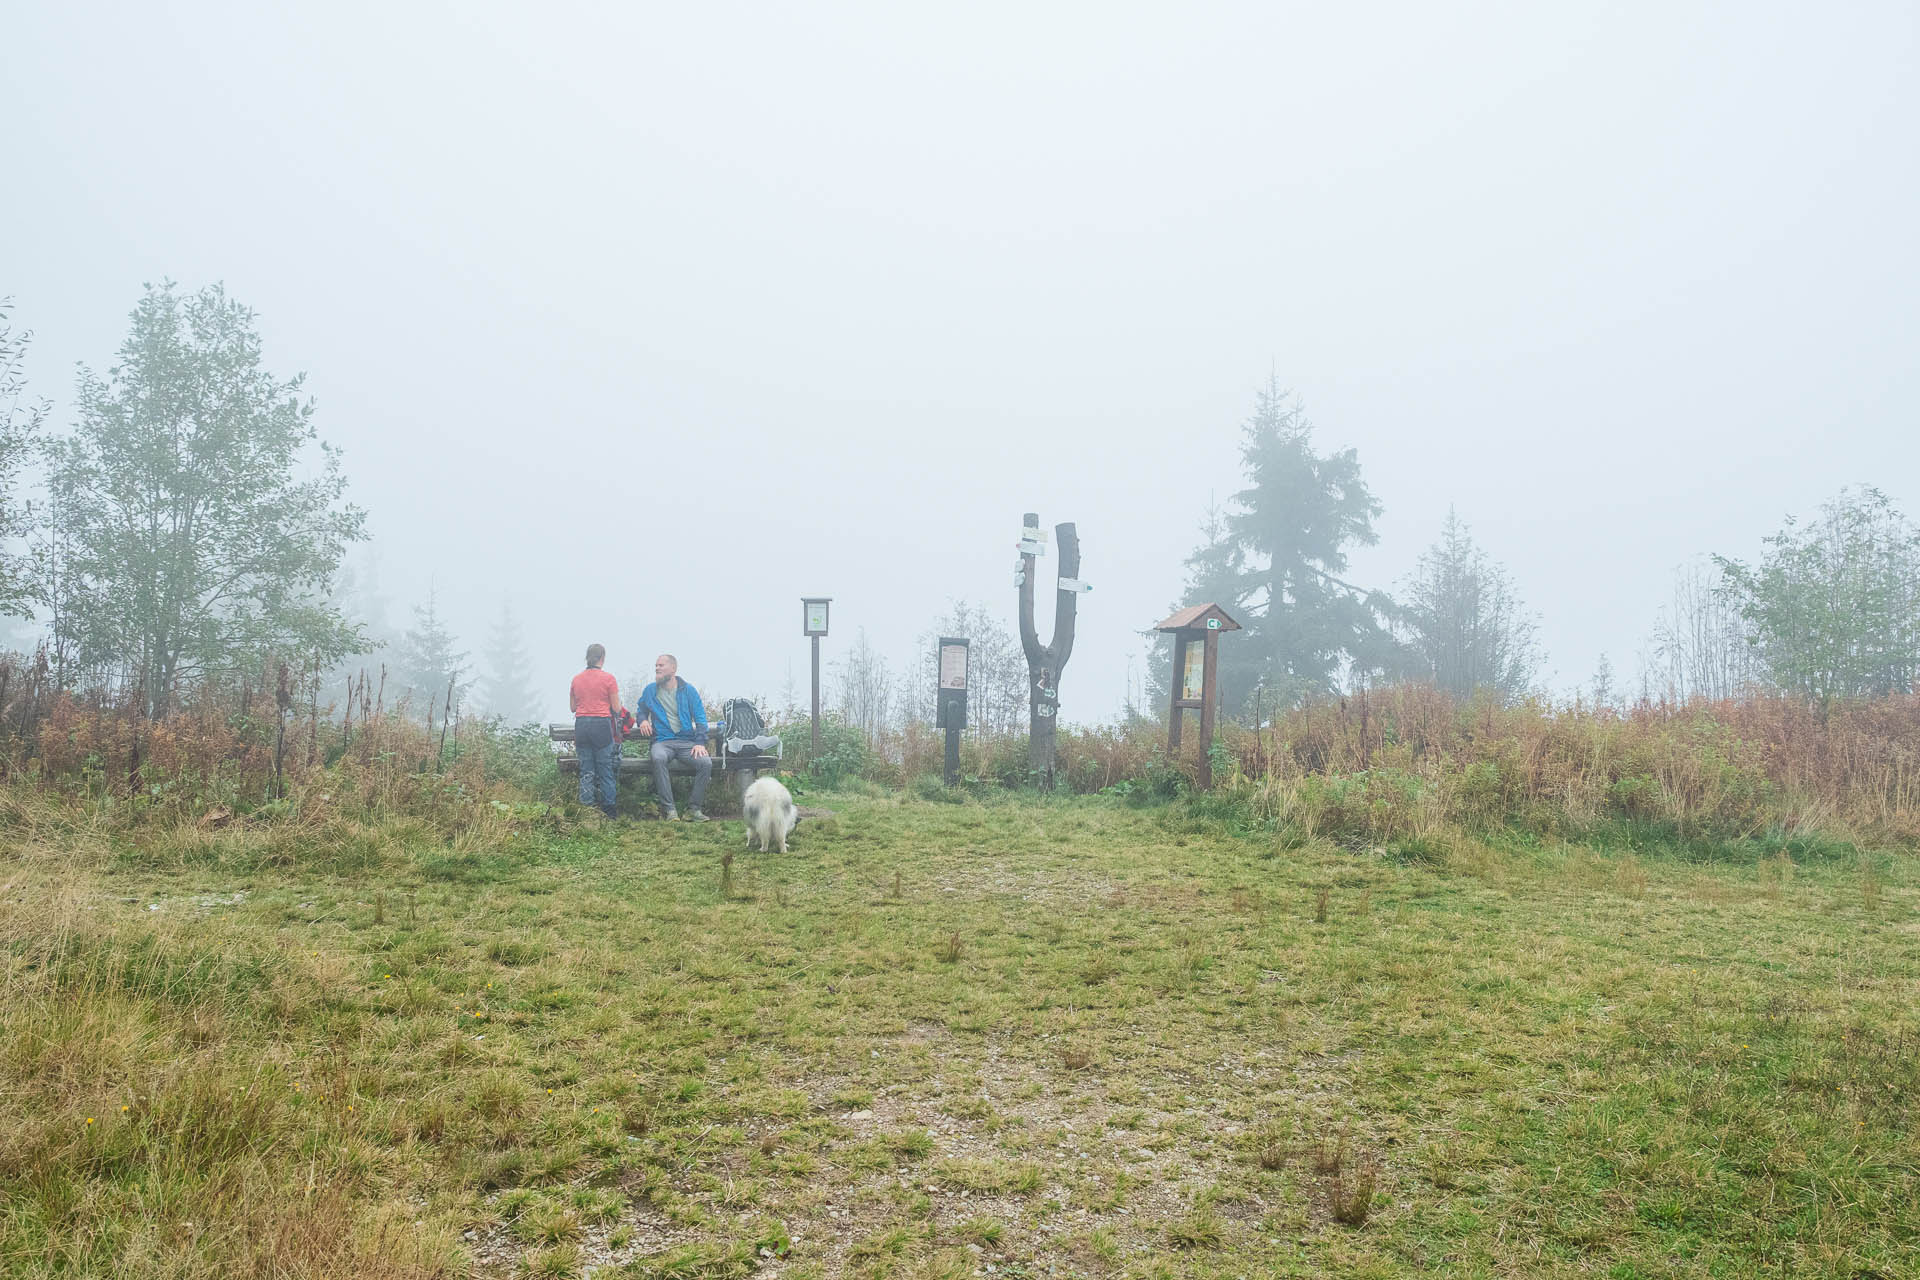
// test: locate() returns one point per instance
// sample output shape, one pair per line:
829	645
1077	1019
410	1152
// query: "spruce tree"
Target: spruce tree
1603	691
1466	626
1275	562
509	691
429	662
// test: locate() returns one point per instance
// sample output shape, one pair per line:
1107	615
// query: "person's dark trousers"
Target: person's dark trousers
663	781
599	761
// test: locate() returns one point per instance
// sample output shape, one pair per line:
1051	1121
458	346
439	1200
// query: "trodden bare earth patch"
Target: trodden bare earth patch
1032	1038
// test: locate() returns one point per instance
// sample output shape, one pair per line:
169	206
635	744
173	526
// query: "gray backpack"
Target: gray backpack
746	732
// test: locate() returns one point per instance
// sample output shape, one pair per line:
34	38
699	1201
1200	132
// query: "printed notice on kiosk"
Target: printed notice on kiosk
953	666
1190	679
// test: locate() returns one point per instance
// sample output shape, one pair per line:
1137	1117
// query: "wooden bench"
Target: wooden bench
742	769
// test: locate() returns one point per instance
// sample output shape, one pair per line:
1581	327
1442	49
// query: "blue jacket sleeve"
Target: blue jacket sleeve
699	710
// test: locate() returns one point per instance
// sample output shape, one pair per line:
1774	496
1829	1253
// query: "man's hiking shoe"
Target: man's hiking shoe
669	815
694	815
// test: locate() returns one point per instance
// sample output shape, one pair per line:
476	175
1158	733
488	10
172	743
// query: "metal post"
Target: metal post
816	699
953	757
1208	699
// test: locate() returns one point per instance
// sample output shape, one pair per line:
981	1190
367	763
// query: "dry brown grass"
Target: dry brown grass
1728	766
1350	1191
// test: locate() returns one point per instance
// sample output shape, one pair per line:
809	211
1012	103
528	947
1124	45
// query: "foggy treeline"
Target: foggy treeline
190	529
1829	612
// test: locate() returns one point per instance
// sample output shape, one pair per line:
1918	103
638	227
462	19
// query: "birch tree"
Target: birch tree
1702	646
866	688
199	519
1834	604
21	421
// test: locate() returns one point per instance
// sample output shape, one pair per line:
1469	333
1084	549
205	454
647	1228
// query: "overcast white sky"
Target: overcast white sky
574	285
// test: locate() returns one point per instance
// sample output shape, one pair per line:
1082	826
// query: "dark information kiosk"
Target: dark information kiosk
1196	653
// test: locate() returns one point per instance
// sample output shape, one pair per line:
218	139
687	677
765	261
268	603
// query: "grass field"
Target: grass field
1015	1039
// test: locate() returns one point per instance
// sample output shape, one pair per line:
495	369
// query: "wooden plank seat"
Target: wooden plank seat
741	768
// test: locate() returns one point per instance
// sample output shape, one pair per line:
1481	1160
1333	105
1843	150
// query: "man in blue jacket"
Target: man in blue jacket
674	717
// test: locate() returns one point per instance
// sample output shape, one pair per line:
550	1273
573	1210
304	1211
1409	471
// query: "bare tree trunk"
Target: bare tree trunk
1045	662
133	760
1259	740
313	715
446	721
282	700
431	703
31	703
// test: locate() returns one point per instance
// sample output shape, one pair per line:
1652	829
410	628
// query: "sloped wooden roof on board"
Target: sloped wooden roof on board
1194	618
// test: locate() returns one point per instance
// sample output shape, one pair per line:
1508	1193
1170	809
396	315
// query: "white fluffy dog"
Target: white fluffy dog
768	808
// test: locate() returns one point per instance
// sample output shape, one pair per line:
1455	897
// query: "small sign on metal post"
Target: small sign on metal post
813	625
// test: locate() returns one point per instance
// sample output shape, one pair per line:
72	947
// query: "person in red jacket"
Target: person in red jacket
594	700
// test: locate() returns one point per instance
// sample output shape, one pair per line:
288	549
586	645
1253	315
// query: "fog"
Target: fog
652	319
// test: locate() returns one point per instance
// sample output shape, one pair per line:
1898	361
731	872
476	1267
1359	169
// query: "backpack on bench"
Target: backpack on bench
746	732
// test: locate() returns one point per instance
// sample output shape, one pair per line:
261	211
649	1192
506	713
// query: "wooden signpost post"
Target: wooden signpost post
1045	662
1196	651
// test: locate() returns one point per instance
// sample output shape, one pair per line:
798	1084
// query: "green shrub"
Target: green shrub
843	755
1635	798
1479	795
934	789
